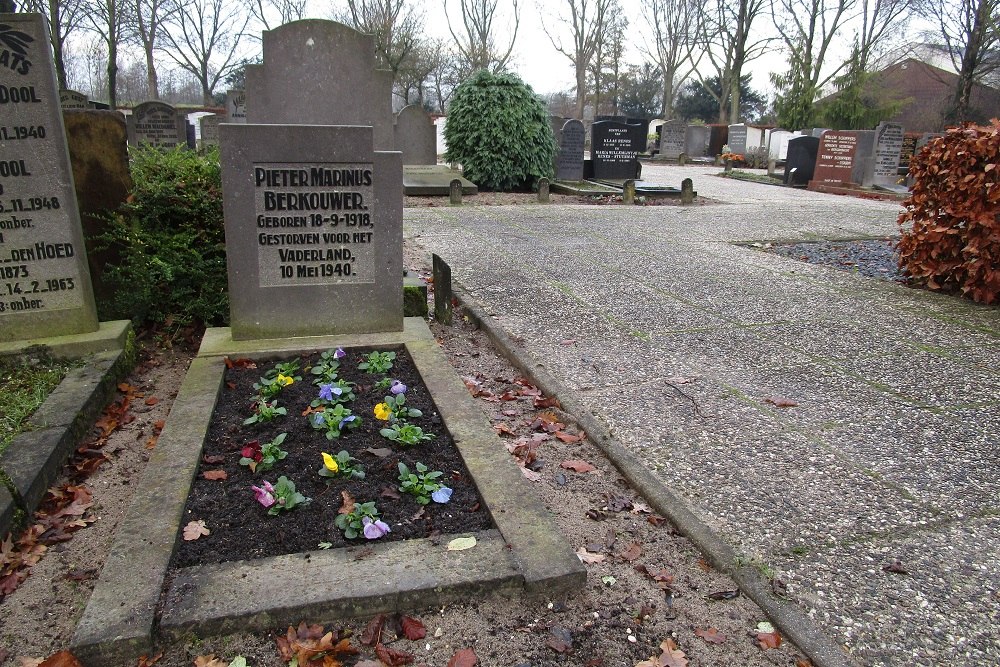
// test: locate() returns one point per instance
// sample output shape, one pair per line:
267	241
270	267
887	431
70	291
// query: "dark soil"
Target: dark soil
242	529
873	258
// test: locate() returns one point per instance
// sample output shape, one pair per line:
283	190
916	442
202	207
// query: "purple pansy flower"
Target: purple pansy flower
397	388
375	529
339	354
346	420
442	495
264	493
318	419
328	391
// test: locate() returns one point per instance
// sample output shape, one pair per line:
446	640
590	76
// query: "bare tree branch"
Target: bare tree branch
477	45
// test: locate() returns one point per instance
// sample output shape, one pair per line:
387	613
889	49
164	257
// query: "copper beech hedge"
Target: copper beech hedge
951	226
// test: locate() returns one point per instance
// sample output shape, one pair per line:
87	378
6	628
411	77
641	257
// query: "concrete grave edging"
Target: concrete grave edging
821	649
525	552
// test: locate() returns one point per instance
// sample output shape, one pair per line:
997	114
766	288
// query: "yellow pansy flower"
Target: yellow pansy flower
284	380
330	462
382	412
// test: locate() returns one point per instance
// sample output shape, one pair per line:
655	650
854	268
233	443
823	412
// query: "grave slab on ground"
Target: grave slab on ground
434	181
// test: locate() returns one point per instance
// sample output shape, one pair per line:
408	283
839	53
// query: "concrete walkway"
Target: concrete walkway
892	452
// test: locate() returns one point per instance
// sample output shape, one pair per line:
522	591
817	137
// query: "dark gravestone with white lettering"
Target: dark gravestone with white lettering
672	139
569	159
614	149
314	231
888	145
157	124
908	149
738	139
801	160
318	72
842	157
45	286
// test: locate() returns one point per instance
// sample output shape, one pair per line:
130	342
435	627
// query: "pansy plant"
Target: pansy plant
288	369
405	434
279	497
422	484
377	363
325	370
334	420
337	391
396	410
341	465
265	411
362	520
260	458
269	387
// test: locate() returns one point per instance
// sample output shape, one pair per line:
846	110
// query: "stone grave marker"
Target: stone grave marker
569	158
908	149
236	106
319	72
157	124
672	139
801	160
415	135
755	138
718	137
71	99
738	139
885	166
45	287
696	140
842	157
313	231
614	149
210	129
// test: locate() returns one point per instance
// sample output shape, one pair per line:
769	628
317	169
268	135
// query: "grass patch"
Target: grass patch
750	176
24	386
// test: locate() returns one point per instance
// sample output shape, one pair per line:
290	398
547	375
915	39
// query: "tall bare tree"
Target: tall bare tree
605	66
476	39
969	31
202	37
725	33
269	14
395	24
145	26
106	18
674	25
808	28
882	22
587	21
62	17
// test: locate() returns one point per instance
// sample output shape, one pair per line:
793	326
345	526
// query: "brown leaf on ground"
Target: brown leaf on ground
465	657
543	402
372	633
503	428
348	505
152	400
568	438
159	424
588	557
29	662
380	452
768	640
195	530
61	659
712	635
780	401
576	465
413	629
214	475
724	595
212	460
655	520
390	492
209	661
631	553
895	567
671	656
309	641
392	657
661	577
531	475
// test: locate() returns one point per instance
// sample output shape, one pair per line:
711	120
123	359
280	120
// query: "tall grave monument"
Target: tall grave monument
569	158
615	148
45	287
883	172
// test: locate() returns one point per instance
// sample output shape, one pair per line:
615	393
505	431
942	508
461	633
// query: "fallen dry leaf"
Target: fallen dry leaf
465	657
531	475
768	640
372	633
712	635
380	452
671	656
550	402
214	475
576	465
348	505
568	438
503	428
589	557
392	657
780	401
209	661
146	661
631	553
61	659
152	400
212	459
195	529
413	629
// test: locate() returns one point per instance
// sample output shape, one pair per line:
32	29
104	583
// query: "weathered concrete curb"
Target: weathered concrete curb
34	459
119	622
789	617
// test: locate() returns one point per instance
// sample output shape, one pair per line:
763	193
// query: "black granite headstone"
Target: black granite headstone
614	148
801	160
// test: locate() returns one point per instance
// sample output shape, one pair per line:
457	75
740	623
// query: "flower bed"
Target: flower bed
356	463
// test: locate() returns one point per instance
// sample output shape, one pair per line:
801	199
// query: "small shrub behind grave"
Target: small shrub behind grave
951	225
170	238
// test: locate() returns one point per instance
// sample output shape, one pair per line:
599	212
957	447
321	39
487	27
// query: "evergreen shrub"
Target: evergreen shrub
499	131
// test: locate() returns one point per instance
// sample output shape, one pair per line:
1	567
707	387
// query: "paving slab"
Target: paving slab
894	441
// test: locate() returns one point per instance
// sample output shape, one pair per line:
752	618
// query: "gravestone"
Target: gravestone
569	159
209	129
778	146
614	149
818	131
737	139
801	160
908	149
696	140
672	139
318	72
755	138
71	99
157	124
45	287
842	157
415	135
314	231
236	106
718	137
885	166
